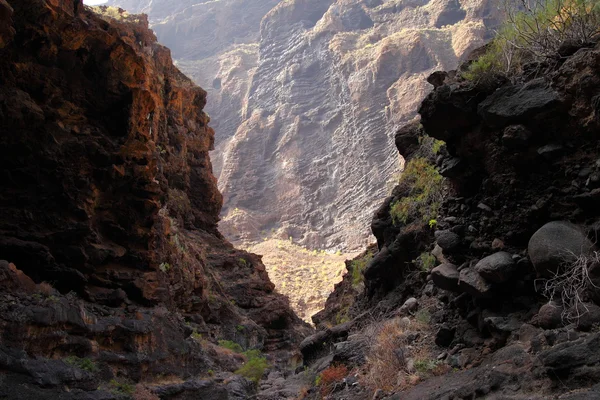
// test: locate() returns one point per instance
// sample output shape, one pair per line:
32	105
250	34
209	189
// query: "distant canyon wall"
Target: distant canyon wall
305	96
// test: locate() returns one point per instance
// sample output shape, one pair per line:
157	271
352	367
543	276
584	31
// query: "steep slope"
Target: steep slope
498	297
115	272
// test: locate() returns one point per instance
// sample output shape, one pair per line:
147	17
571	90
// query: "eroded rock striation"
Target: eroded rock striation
115	272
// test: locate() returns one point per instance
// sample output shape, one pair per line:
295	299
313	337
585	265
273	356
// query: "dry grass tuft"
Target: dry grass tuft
386	359
570	285
143	393
330	377
46	289
392	364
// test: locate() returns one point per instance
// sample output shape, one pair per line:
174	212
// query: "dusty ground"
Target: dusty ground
307	277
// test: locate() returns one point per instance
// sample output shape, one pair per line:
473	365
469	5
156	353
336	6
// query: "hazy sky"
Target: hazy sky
93	2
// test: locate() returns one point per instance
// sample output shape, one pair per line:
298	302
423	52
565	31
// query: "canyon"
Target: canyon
117	283
305	96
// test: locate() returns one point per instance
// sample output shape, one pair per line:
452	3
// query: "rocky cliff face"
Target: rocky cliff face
108	217
476	291
214	43
308	104
314	150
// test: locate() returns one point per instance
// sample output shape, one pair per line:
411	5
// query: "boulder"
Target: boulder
445	276
411	305
472	283
514	104
588	316
496	268
555	244
447	240
550	316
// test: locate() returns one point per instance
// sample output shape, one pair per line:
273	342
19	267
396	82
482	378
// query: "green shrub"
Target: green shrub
121	387
196	336
423	316
233	346
534	31
82	363
165	267
255	366
426	261
424	185
425	365
358	266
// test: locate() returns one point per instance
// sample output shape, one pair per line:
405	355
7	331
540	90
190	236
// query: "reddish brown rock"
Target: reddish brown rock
108	195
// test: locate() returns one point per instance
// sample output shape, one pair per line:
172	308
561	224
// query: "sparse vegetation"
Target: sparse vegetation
327	379
423	317
570	284
392	362
164	267
82	363
534	31
423	183
425	365
45	289
358	266
233	346
120	387
306	277
426	261
255	366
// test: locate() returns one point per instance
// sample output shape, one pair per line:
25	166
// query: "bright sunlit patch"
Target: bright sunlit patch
93	2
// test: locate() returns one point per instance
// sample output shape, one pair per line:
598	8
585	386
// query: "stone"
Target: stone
444	336
447	240
484	207
516	137
501	324
445	276
438	253
472	283
496	268
588	316
513	104
497	244
555	244
550	316
550	151
411	305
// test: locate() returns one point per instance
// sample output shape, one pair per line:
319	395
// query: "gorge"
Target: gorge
117	283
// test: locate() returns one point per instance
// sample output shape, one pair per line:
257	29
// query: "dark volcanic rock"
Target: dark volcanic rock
447	240
108	195
550	316
515	104
496	268
445	276
555	244
472	283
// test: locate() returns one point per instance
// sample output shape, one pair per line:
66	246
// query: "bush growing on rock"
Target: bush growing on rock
536	31
358	266
233	346
255	367
423	183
